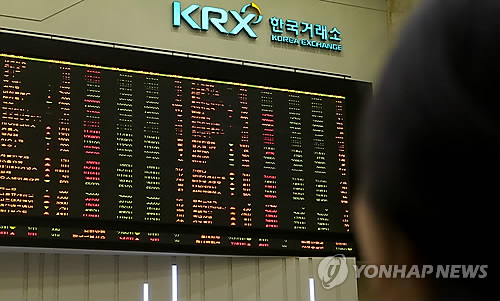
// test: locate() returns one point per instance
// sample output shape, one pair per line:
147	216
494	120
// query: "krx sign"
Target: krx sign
218	17
304	34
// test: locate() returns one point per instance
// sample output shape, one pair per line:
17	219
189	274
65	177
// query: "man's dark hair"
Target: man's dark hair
429	146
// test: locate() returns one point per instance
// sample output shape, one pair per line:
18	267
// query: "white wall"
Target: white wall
363	24
399	11
54	277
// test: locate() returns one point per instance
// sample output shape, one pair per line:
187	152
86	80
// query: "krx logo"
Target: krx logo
219	21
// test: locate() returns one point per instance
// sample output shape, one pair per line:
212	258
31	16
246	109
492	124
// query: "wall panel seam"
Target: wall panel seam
41	279
284	278
26	275
42	19
257	272
297	278
355	6
86	277
56	274
117	277
188	283
230	277
203	271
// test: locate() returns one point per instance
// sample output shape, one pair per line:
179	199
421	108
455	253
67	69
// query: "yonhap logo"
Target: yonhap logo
333	271
218	17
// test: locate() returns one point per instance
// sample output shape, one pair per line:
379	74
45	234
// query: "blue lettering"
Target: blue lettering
185	14
282	39
217	22
243	24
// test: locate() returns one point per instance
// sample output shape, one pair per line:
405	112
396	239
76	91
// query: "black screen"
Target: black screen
117	154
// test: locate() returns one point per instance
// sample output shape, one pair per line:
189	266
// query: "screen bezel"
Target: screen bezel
135	58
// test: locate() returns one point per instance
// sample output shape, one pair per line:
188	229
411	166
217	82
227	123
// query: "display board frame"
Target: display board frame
140	58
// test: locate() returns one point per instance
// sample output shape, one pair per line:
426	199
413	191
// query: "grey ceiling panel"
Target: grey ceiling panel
34	10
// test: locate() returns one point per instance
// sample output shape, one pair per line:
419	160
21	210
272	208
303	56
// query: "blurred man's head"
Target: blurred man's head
429	151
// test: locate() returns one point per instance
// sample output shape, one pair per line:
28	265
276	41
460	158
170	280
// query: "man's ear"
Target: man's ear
379	241
382	244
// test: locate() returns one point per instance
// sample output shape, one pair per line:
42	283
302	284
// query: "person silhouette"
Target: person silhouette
429	154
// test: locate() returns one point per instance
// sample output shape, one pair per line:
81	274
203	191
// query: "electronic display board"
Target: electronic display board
104	154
